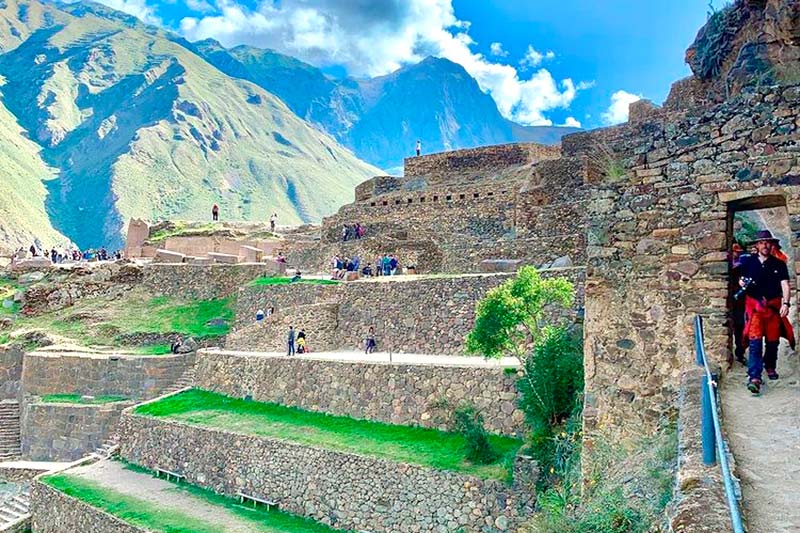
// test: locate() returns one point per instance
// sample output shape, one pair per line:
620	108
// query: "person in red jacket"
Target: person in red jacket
768	297
215	212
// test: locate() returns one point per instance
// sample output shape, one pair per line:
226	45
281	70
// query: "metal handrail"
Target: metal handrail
711	429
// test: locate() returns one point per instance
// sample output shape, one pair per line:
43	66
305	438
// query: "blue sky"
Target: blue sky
544	62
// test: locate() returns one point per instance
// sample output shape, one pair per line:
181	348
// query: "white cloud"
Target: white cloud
496	49
533	58
376	37
138	8
572	122
199	6
618	110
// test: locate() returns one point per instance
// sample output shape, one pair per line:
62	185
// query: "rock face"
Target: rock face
750	42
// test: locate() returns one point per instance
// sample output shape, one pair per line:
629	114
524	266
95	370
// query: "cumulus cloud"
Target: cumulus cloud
496	49
376	37
534	58
138	8
618	110
572	122
199	6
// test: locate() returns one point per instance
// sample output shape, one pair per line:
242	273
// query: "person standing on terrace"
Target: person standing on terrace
215	213
419	148
290	341
272	221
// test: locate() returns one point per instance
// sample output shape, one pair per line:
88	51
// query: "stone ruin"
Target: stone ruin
639	216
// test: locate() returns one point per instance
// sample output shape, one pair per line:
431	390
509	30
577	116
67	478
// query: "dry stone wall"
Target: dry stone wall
201	281
10	372
133	376
478	160
657	242
55	512
428	315
343	490
272	334
420	395
66	432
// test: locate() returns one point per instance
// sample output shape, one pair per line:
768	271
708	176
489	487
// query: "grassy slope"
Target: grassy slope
149	515
276	280
426	447
22	190
93	322
141	126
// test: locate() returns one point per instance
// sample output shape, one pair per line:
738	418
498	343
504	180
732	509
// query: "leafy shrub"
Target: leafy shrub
469	422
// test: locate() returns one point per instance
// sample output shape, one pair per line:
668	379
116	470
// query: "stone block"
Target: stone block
251	254
351	276
200	261
166	256
227	259
499	265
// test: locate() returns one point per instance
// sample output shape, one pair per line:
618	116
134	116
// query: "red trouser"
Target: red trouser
763	319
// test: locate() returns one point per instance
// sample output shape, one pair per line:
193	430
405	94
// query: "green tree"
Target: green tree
510	318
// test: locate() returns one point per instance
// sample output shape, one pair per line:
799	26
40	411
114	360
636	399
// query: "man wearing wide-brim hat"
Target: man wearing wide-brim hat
767	304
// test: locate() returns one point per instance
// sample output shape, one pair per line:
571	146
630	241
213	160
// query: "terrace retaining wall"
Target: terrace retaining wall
10	372
66	432
136	377
422	395
342	490
55	512
428	315
201	282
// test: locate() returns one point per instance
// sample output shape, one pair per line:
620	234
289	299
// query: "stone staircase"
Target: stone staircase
15	510
9	430
185	381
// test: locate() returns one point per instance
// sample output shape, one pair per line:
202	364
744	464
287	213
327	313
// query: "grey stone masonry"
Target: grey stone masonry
412	394
340	489
55	512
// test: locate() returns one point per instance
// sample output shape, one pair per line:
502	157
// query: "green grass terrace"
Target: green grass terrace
165	518
413	445
281	280
83	400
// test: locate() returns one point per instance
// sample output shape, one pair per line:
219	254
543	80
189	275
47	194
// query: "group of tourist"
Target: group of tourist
385	265
352	231
65	255
761	302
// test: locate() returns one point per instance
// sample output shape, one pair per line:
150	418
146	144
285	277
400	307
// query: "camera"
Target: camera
743	290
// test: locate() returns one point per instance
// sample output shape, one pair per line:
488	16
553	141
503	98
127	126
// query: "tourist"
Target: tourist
768	297
272	221
280	258
367	270
260	316
176	345
737	304
369	342
378	266
33	251
297	276
215	212
359	230
419	148
301	341
290	341
53	255
345	231
393	265
385	262
270	311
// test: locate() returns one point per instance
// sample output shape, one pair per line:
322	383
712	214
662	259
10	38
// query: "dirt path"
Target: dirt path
113	475
764	434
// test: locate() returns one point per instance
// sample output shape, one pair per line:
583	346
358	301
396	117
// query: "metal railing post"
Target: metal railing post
707	423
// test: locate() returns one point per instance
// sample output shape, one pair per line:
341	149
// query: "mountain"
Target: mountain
435	101
137	125
22	190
